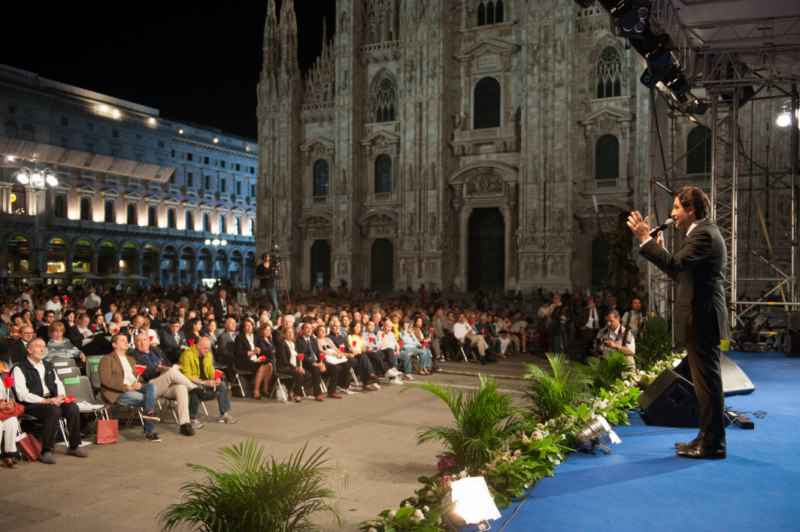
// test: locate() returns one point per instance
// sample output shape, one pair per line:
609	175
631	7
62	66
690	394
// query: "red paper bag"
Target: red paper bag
107	431
30	447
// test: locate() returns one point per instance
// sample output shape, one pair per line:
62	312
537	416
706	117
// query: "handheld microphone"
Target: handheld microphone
658	229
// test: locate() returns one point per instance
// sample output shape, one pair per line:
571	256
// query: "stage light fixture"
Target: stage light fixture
473	502
598	434
631	17
23	178
10	158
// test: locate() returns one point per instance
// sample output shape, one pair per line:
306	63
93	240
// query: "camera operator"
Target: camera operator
615	337
265	273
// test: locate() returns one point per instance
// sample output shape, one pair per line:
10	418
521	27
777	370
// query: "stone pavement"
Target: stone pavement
371	440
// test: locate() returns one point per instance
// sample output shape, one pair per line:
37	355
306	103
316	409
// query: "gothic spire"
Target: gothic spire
288	31
271	46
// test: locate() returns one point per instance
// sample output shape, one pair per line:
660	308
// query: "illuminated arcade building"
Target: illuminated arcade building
130	196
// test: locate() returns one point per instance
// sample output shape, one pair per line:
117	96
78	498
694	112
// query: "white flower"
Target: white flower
419	515
517	453
551	423
426	509
537	435
463	474
392	514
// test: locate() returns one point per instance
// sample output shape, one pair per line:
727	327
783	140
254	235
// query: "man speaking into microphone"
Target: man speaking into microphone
700	315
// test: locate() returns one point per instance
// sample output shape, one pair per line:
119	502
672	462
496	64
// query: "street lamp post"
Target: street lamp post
216	243
39	181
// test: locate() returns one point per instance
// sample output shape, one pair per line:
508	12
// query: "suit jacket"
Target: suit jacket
283	357
219	311
583	318
112	376
241	346
168	344
700	308
309	347
226	346
18	351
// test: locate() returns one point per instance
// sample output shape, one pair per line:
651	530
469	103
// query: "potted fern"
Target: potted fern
550	393
255	492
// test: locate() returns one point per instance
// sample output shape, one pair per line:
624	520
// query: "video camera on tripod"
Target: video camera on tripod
275	261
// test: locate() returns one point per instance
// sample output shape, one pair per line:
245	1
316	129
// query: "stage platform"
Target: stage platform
642	485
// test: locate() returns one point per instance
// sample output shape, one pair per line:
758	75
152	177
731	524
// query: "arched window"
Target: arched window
606	158
206	223
383	173
321	177
151	216
383	101
223	227
109	212
487	103
490	12
60	206
189	220
132	218
171	218
252	226
12	130
237	226
86	209
698	151
609	74
28	133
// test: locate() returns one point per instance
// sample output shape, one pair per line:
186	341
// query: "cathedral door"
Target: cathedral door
600	254
486	251
382	265
321	263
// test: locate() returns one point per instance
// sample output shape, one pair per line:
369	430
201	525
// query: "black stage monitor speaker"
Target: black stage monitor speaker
670	401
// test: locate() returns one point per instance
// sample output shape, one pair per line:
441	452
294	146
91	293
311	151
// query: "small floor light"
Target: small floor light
473	502
598	434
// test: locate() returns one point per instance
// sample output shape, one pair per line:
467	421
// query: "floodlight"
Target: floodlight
474	503
598	434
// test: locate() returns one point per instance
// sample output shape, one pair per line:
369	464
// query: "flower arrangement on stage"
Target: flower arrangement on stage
513	447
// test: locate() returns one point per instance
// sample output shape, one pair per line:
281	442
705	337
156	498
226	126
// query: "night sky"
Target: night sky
192	61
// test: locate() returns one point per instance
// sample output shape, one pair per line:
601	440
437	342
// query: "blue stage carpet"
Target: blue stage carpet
642	485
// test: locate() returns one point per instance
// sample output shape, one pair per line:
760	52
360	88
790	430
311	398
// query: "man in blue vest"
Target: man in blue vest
42	394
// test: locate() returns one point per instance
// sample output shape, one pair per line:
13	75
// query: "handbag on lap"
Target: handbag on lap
14	411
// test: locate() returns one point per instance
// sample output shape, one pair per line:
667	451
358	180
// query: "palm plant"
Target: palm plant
255	493
603	372
549	394
484	420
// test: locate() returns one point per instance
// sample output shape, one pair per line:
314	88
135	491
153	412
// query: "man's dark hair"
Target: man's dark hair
696	198
612	313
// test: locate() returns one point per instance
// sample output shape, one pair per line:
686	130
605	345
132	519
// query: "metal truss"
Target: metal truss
754	196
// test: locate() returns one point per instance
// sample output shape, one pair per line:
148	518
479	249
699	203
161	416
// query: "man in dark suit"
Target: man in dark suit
220	305
19	348
588	323
701	318
173	341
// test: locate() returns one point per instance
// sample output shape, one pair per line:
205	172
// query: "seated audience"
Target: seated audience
247	356
119	384
314	364
173	341
60	347
170	383
287	363
197	363
413	346
41	392
19	347
9	427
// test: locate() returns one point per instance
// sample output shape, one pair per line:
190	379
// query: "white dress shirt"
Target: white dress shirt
21	385
130	376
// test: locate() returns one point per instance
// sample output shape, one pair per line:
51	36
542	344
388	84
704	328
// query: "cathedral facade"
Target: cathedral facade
460	144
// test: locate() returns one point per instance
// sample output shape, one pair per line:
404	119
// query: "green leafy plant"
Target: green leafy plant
603	372
255	493
550	393
655	343
484	420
